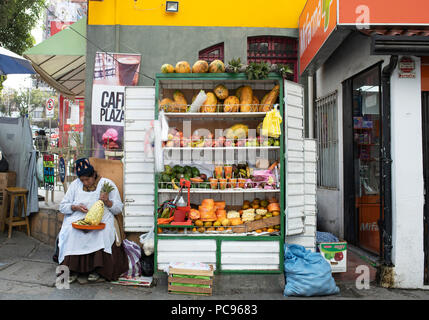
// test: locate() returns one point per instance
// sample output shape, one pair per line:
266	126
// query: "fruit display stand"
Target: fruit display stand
252	247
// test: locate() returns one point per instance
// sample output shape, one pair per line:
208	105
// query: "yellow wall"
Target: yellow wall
220	13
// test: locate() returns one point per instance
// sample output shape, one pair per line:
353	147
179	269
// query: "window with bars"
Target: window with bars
327	139
212	53
274	49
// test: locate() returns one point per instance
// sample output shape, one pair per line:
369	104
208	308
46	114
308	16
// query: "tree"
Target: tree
18	19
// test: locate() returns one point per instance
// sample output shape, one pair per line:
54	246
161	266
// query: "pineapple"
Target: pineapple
95	213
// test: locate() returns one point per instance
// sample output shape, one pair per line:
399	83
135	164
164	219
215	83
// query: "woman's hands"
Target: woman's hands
104	196
80	207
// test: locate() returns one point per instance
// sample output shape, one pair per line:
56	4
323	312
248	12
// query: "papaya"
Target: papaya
200	66
238	92
246	99
182	67
217	66
269	100
255	104
167	105
180	103
231	104
221	92
210	104
167	68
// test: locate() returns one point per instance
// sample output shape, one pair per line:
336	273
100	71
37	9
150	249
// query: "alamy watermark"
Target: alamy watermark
62	279
363	280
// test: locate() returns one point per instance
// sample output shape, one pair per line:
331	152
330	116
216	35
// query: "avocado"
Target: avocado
195	172
181	170
176	168
165	177
180	176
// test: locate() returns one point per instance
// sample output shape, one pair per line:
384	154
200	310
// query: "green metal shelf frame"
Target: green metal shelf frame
281	239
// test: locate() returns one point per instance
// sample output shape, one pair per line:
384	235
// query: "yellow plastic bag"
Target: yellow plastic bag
271	124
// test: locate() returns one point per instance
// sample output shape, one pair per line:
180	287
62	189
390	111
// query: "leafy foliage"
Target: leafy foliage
234	66
257	71
18	18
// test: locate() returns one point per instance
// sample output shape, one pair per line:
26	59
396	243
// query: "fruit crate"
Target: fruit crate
257	224
188	281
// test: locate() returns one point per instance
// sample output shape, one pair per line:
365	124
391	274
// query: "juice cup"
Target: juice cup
233	183
213	183
228	172
218	172
241	183
222	183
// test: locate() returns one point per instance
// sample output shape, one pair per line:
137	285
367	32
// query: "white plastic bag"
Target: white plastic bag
148	242
164	126
198	102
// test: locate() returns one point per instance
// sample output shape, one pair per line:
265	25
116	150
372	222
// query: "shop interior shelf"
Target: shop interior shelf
216	115
221	148
196	190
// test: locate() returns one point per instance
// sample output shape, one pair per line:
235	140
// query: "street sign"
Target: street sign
50	106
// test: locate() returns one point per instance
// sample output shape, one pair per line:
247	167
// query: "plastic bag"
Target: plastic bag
307	273
164	125
133	252
148	242
271	124
147	264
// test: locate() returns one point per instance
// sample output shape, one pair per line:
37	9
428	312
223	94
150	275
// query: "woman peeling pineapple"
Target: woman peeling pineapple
91	252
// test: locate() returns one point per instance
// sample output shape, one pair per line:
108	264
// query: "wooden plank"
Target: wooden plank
191	272
190	281
190	289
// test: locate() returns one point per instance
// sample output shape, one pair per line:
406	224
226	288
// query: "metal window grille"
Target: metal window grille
276	50
212	53
327	134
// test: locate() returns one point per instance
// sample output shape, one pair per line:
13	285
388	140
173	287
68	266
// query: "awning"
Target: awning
60	60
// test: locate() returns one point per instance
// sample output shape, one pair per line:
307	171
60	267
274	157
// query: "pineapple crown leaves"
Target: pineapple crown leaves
257	71
234	65
284	70
107	187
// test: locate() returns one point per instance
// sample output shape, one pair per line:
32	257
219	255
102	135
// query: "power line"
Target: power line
95	45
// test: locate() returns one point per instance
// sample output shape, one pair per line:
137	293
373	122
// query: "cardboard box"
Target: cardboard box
336	254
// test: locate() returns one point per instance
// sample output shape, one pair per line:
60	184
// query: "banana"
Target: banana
175	187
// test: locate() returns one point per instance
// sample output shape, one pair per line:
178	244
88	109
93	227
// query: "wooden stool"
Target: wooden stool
21	194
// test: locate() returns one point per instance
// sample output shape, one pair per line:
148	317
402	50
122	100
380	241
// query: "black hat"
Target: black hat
83	167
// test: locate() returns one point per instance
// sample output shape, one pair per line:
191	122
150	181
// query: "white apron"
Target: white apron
78	242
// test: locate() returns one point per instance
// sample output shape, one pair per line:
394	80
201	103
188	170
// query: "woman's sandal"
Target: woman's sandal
72	277
93	276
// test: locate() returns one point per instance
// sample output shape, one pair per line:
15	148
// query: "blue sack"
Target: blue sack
307	273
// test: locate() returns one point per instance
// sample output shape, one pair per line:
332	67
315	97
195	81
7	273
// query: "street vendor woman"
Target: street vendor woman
90	252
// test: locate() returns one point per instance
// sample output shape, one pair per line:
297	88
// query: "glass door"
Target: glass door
366	157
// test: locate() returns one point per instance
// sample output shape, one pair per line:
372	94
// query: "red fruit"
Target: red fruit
338	256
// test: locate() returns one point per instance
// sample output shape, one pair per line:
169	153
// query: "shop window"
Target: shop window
212	53
274	49
327	139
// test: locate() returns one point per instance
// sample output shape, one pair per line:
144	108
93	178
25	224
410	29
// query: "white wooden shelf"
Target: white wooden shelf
237	190
221	148
215	115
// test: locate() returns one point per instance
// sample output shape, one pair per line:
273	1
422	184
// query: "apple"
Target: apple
338	256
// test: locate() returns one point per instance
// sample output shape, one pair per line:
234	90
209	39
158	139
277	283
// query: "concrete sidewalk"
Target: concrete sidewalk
27	272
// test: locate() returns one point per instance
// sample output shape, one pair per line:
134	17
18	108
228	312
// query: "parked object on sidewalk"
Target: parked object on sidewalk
147	240
307	273
147	264
325	237
336	255
134	281
197	280
134	254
